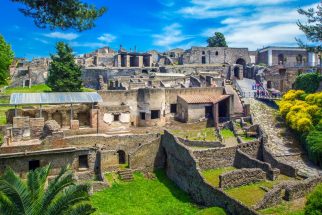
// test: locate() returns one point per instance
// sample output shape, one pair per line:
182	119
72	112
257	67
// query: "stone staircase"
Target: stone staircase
126	175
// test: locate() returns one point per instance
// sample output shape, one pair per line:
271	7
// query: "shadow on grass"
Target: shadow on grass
173	188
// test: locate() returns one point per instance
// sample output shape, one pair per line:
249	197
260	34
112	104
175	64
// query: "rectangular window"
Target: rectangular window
155	114
116	117
83	161
34	164
142	115
173	108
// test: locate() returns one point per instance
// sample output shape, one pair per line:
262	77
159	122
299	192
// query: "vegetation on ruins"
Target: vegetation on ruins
34	197
6	58
303	113
146	196
218	40
63	14
312	28
314	202
64	73
308	82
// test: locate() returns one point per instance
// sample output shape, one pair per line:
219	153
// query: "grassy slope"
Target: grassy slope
143	196
207	134
212	175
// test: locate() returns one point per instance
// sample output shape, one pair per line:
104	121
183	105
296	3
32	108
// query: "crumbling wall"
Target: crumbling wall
300	189
148	157
241	177
242	160
182	168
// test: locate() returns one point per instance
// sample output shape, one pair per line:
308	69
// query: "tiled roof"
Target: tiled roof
202	99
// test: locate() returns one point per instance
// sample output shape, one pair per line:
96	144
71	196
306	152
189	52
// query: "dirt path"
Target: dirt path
282	142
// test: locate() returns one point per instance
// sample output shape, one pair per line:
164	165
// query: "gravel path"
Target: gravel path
284	145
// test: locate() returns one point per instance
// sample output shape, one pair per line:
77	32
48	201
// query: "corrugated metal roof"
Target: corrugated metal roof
202	99
54	98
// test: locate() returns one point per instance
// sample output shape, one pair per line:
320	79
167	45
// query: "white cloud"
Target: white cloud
92	45
108	38
266	26
60	35
171	35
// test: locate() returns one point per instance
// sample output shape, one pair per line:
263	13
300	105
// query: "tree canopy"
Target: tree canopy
62	196
63	14
313	27
6	58
64	73
218	40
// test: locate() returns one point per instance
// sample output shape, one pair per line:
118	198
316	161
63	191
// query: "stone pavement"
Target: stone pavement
282	142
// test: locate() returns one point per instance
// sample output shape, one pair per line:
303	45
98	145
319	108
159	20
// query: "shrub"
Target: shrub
314	202
309	82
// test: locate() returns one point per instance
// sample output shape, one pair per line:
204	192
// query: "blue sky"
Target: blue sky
162	25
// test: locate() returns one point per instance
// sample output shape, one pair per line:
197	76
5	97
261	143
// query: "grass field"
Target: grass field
212	175
205	134
144	196
252	193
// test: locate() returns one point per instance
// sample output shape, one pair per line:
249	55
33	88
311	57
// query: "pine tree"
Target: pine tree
63	14
6	58
64	73
313	27
218	40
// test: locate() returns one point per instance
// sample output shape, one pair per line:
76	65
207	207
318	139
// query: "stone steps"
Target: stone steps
126	175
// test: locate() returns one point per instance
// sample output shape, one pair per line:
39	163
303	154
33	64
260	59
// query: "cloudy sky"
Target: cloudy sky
162	25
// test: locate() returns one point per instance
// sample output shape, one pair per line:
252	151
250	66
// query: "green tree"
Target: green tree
62	196
312	28
64	73
63	14
308	82
314	203
6	58
218	40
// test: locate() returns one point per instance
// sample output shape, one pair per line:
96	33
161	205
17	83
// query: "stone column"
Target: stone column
128	61
140	61
270	57
311	59
215	108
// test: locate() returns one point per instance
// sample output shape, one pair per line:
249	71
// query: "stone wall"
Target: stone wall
241	177
148	157
242	160
300	189
58	158
191	143
182	169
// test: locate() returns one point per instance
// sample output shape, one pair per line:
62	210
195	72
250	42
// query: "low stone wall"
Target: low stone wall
147	157
200	143
183	169
242	160
272	197
268	157
284	168
300	189
241	177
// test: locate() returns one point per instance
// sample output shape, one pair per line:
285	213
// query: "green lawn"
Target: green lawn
227	133
144	196
206	134
212	175
252	193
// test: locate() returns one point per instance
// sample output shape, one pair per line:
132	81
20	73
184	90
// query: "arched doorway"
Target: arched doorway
121	154
281	59
241	61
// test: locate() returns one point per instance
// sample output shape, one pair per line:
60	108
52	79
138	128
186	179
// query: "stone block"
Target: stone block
74	124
